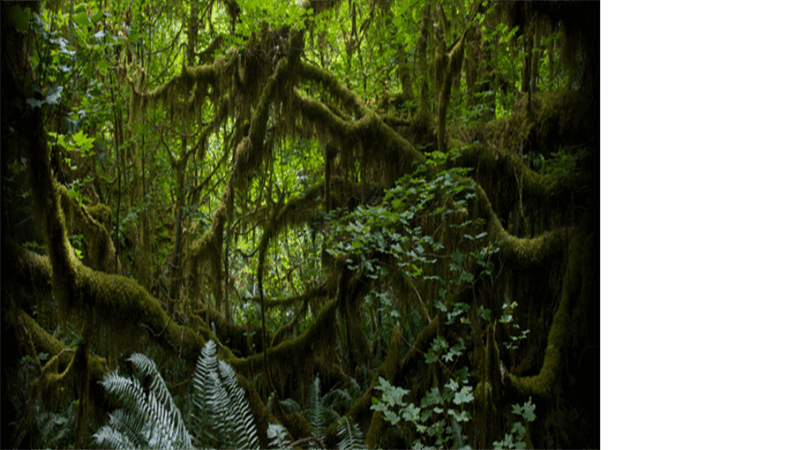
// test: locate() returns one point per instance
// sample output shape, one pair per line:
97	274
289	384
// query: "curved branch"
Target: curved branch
576	288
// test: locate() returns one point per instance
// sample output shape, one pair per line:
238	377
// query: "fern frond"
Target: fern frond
143	364
242	419
356	387
278	436
44	429
220	414
166	429
232	415
130	425
315	409
218	404
107	437
147	368
147	420
337	394
202	414
351	437
129	391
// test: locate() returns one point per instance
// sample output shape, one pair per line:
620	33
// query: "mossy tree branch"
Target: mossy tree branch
576	289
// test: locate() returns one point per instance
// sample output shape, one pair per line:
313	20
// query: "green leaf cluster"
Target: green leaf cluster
506	318
515	438
437	421
390	227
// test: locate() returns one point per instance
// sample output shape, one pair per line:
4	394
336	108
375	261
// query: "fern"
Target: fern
150	419
314	411
339	399
278	436
351	437
242	423
112	438
46	429
202	414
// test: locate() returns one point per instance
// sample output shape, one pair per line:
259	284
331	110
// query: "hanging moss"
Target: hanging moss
560	119
291	359
297	211
125	307
449	66
397	153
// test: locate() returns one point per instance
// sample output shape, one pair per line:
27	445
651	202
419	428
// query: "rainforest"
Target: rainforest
300	224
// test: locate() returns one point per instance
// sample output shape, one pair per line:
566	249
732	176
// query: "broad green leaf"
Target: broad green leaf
83	20
82	141
20	18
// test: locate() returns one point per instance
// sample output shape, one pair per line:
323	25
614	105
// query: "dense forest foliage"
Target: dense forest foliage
315	224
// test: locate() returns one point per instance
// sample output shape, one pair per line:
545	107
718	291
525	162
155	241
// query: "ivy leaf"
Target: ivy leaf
526	410
464	396
411	413
430	357
34	103
459	416
457	256
392	417
393	395
433	397
54	95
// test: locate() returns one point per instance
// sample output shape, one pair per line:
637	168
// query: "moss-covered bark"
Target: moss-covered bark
577	287
100	253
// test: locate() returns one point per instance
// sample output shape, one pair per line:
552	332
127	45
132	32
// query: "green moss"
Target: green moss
99	250
297	425
389	366
295	360
395	152
486	425
57	378
544	382
448	65
561	118
375	430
